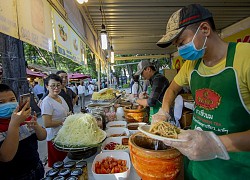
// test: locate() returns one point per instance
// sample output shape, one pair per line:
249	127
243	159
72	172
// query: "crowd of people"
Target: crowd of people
80	88
19	130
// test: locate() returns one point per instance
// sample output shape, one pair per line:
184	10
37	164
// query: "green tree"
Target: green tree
35	55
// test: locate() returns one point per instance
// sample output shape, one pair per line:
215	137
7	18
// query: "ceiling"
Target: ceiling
134	26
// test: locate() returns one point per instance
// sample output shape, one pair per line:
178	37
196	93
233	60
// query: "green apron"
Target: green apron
219	108
154	109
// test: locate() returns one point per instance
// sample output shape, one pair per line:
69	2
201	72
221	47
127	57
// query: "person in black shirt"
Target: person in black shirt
158	83
68	95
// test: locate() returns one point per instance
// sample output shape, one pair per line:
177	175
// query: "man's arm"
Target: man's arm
170	96
74	95
236	142
10	145
75	99
158	85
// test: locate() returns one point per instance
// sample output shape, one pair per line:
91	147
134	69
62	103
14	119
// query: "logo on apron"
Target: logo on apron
207	99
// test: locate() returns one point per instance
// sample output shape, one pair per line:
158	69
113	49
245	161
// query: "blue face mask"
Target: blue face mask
6	109
189	52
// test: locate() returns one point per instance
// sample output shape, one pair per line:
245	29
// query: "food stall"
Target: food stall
109	142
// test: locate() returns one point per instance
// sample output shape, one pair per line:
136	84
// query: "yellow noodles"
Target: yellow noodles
165	129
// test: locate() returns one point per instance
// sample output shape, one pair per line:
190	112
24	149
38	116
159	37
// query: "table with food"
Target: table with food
114	141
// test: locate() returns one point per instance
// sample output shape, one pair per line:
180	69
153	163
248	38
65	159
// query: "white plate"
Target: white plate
116	124
117	130
145	129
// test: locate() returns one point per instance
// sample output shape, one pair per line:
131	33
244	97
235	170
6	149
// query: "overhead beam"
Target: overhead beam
142	57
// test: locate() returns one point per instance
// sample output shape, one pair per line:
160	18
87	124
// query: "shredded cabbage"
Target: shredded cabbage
80	130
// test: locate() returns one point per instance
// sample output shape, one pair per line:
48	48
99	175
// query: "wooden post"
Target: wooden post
13	63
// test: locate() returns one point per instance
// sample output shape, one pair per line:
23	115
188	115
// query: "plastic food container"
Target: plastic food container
115	176
115	140
117	132
116	124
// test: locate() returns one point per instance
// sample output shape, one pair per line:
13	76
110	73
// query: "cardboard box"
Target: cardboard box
187	97
186	118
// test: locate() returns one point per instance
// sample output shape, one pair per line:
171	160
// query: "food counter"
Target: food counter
102	132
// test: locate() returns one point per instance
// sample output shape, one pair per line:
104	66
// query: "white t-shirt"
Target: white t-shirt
136	89
58	111
91	88
81	89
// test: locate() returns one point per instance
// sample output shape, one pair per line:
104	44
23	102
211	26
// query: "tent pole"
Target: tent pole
98	71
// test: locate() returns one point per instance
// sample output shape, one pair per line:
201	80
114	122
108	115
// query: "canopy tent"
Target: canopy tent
78	76
34	73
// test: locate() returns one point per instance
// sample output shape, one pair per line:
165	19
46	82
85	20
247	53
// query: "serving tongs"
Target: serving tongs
115	99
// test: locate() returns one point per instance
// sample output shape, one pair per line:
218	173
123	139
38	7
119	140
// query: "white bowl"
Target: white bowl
116	124
117	130
116	176
135	124
113	139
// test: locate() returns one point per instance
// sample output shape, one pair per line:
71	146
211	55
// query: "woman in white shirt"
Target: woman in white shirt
91	88
54	110
136	87
81	94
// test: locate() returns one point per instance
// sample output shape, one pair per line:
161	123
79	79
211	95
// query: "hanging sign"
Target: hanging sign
8	18
35	23
242	36
68	43
62	36
75	47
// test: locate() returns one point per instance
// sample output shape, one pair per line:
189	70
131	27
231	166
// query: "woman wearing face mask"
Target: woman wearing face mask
217	72
19	158
54	110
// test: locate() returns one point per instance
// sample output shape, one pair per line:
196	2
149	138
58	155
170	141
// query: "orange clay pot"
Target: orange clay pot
135	115
153	164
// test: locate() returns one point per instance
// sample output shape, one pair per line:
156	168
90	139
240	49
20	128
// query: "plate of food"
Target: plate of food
79	131
64	148
162	131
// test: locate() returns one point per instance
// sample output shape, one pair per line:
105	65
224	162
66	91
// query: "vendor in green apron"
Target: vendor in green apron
158	86
218	73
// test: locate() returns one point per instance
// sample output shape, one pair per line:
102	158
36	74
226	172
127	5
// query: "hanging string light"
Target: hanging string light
104	38
104	34
82	1
112	55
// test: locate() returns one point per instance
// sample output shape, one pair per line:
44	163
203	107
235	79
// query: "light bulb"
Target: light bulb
82	1
112	55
